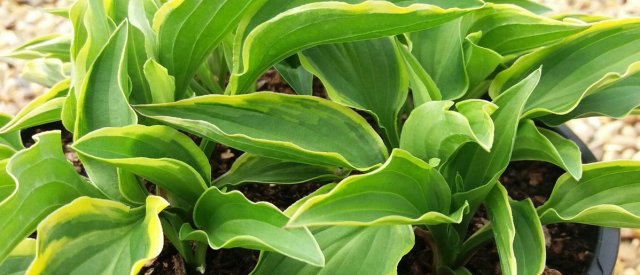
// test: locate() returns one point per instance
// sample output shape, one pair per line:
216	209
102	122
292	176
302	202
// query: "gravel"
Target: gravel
22	21
609	139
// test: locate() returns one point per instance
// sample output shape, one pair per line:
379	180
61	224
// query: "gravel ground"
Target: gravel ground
609	139
21	21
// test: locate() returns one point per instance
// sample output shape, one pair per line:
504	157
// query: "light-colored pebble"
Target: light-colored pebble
629	131
594	122
628	153
623	141
583	130
610	155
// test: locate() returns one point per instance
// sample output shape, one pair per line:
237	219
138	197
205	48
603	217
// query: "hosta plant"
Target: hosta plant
421	107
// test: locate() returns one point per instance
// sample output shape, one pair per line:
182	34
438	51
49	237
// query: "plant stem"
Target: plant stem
208	147
200	256
471	245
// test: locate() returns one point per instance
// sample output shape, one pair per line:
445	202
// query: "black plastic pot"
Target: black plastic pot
608	239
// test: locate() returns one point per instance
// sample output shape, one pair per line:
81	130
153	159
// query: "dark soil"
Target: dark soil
569	246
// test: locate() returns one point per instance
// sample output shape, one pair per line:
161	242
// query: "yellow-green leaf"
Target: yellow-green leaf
250	168
296	128
44	109
230	220
572	67
44	181
540	144
95	236
606	195
323	23
103	96
158	153
367	75
405	190
19	259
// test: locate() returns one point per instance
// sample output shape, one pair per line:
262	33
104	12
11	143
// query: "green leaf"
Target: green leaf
141	46
46	71
91	31
6	152
606	195
250	168
405	190
584	17
307	26
44	109
573	66
368	250
189	30
300	80
160	154
295	128
136	59
102	101
439	50
367	75
508	29
475	165
230	220
375	249
140	15
423	88
529	5
94	236
540	144
49	46
472	123
475	170
161	83
480	63
518	233
19	259
7	185
131	188
616	95
45	180
10	139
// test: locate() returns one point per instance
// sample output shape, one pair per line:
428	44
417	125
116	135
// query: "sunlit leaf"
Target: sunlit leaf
572	67
44	109
517	232
95	236
44	181
295	128
540	144
367	75
323	23
250	168
606	195
48	46
405	190
159	154
472	123
19	259
230	220
189	30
